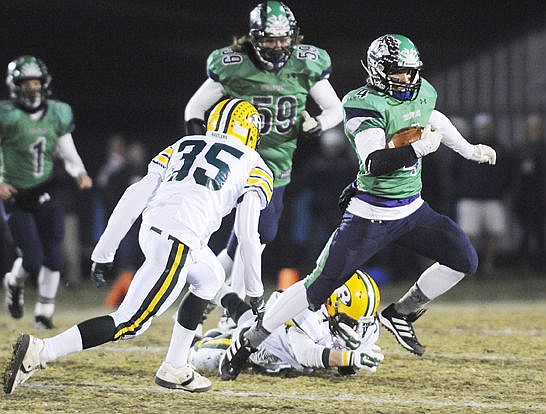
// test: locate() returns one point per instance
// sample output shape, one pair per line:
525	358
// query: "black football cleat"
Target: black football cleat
234	358
401	327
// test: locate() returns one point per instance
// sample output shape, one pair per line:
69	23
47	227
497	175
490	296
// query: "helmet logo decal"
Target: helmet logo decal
277	25
31	70
409	57
256	120
344	295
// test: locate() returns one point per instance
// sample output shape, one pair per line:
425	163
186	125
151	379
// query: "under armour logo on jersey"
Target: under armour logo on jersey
423	101
44	198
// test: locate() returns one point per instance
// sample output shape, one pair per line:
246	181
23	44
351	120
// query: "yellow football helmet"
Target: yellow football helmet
353	303
236	118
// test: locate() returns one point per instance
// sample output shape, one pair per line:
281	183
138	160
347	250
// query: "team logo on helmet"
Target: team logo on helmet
354	304
236	118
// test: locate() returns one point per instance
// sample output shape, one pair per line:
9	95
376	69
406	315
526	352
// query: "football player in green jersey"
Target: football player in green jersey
33	130
272	69
384	205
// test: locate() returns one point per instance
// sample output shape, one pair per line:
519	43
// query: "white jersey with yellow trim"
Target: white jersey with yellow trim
202	179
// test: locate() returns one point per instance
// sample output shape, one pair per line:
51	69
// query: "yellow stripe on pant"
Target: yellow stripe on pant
159	293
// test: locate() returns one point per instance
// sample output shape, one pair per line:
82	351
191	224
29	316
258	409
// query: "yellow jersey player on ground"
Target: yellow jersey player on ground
189	188
271	68
342	334
384	204
34	131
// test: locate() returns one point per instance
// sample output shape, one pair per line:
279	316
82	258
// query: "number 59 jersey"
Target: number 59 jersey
203	177
280	97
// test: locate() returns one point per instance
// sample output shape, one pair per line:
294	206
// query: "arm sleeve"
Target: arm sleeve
450	136
129	207
370	145
207	95
66	150
307	352
326	98
246	228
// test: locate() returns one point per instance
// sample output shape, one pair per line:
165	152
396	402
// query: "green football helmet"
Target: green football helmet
393	54
270	21
24	68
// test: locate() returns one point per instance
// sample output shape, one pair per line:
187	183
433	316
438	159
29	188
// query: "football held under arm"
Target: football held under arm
370	145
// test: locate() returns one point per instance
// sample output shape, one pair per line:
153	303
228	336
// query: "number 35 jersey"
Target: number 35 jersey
280	97
203	177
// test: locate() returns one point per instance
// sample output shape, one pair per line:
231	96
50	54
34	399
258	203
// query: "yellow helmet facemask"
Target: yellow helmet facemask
238	119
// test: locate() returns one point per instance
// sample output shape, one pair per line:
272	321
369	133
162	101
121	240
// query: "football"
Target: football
404	137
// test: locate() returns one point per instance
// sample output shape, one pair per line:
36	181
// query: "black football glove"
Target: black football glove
100	272
258	308
345	197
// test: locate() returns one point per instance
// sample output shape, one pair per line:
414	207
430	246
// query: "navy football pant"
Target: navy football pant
39	234
356	240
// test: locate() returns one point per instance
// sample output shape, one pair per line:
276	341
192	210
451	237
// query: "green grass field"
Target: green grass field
486	353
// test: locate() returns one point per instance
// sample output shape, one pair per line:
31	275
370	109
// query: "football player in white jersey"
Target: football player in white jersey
190	186
342	333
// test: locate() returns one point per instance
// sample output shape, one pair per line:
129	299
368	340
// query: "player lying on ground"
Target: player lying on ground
342	333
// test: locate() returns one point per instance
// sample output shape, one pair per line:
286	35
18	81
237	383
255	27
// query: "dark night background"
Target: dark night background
130	66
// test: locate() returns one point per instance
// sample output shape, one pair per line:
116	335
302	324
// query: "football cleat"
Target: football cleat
42	323
401	327
233	360
25	361
14	297
184	378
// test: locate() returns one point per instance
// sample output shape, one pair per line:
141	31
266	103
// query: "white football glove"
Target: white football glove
349	337
310	126
429	142
484	153
367	358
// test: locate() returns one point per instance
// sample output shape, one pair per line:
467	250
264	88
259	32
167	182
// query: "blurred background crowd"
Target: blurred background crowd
128	69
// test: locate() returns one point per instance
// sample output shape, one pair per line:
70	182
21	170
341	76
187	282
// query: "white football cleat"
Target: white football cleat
25	361
183	378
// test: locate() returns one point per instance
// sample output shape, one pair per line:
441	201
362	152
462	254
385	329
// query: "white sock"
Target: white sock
48	282
65	343
289	303
179	348
438	279
18	273
44	309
